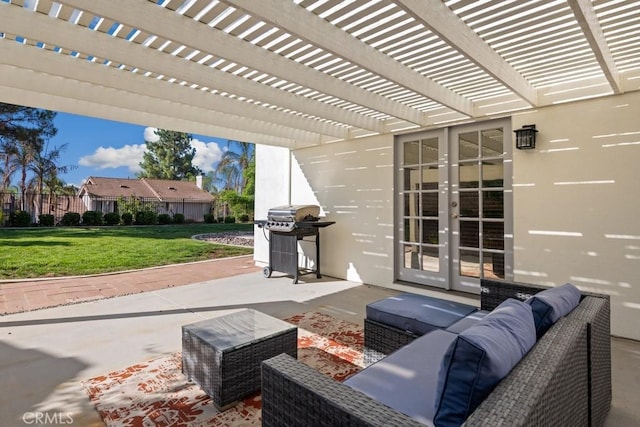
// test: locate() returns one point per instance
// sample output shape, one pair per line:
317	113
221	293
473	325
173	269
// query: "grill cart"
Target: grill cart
287	225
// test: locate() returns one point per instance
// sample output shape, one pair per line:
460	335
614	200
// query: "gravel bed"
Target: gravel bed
233	238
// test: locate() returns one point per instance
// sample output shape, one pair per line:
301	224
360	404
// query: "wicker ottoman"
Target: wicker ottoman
223	355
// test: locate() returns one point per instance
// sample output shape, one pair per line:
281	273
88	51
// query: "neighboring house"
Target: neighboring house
165	196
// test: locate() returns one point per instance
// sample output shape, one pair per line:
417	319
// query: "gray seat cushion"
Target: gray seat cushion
407	379
418	314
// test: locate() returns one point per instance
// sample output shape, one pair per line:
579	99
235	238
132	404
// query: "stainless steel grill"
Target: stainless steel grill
287	226
285	218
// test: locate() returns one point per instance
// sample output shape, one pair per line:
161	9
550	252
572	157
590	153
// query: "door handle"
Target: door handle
454	215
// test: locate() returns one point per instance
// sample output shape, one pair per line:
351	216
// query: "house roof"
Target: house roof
298	73
163	190
171	190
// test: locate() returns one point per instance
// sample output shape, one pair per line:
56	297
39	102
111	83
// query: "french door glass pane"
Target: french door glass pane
411	201
493	235
493	204
468	145
469	204
470	234
493	264
469	263
430	204
430	231
411	178
469	175
430	178
492	143
411	258
492	173
431	259
411	153
429	150
411	230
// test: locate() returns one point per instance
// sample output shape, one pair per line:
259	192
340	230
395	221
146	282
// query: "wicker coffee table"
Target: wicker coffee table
223	355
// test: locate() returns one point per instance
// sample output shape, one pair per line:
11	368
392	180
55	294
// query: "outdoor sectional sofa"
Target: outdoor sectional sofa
564	379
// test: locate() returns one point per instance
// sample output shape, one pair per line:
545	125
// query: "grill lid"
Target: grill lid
294	213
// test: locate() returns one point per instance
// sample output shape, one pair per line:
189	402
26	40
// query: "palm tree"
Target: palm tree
21	155
8	168
22	130
45	168
229	175
232	165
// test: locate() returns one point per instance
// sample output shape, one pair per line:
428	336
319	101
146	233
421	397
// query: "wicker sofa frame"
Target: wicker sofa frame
565	379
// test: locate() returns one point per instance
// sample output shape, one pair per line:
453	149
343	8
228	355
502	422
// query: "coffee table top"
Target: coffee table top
236	329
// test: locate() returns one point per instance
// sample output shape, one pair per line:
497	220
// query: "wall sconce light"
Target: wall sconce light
526	137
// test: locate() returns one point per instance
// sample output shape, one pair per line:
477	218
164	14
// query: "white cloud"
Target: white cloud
149	134
110	157
207	154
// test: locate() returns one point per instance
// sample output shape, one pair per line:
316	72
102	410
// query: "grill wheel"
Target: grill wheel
266	272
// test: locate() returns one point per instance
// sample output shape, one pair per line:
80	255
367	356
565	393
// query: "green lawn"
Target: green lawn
50	252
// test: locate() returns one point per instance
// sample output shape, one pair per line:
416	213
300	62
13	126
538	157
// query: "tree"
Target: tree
171	157
228	174
8	167
16	120
22	129
209	183
45	168
20	157
236	172
250	178
231	168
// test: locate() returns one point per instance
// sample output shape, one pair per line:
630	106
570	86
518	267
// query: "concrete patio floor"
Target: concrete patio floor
46	353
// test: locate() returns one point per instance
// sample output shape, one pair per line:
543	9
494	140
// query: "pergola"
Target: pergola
298	73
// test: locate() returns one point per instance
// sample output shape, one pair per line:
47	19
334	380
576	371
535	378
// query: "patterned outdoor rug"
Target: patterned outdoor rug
156	393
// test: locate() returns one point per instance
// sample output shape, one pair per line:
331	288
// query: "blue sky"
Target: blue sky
113	149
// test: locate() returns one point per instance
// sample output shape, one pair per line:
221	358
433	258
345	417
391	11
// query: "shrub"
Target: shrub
178	218
164	219
127	218
70	218
46	220
19	219
229	219
244	218
220	219
146	217
112	218
92	218
210	218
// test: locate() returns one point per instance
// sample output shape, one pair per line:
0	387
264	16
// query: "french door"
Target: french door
453	205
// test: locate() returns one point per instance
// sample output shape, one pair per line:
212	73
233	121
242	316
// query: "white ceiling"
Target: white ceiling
297	73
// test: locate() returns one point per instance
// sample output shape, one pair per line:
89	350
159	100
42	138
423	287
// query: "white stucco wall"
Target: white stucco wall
576	202
273	173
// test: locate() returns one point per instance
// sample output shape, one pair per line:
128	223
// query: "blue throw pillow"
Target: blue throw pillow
551	304
479	358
